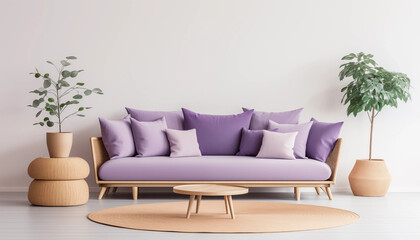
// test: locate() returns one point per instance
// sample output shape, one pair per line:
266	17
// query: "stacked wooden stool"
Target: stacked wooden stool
58	181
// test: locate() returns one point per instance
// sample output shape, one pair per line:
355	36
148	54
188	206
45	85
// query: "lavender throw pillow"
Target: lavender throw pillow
217	134
301	138
174	119
322	138
183	143
150	138
259	120
277	145
117	137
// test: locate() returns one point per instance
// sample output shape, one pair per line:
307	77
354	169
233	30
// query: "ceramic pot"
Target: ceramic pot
59	144
370	178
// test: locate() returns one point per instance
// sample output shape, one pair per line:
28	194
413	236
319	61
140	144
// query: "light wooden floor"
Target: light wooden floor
396	216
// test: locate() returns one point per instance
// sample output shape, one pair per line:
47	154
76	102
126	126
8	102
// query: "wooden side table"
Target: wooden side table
200	190
58	181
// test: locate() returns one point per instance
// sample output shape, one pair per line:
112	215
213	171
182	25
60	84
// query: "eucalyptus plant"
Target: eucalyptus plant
59	95
372	87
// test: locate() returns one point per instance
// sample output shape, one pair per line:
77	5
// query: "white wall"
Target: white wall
212	57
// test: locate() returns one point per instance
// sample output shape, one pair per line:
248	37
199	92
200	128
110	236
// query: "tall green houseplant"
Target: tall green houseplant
372	87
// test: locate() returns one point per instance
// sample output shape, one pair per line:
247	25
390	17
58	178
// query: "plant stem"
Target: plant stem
371	133
58	102
58	111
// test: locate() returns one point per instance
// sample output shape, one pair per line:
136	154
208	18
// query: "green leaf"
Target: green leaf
349	57
88	92
65	63
65	73
47	83
50	124
38	113
74	74
71	57
97	91
35	103
37	75
78	96
46	119
80	115
41	123
81	109
50	99
35	91
64	83
47	75
80	84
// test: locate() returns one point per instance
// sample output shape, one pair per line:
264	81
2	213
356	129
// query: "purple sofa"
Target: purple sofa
139	151
163	171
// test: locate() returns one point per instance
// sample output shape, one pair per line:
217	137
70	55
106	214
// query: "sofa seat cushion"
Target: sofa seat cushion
213	168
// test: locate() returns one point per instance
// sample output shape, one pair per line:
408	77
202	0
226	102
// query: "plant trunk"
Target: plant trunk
371	133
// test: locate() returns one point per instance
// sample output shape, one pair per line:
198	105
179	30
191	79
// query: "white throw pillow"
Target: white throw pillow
183	143
277	145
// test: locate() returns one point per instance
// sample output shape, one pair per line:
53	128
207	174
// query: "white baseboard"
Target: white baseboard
14	189
157	190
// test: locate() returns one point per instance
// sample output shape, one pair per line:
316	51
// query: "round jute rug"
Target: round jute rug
251	217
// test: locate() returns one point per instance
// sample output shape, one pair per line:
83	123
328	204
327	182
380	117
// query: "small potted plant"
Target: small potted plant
59	98
371	89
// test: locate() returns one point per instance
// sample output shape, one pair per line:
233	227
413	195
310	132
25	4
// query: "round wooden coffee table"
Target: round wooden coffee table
200	190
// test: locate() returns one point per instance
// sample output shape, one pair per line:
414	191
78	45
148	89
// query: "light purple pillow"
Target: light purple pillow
117	137
217	134
301	138
183	143
174	119
322	139
277	145
259	120
150	138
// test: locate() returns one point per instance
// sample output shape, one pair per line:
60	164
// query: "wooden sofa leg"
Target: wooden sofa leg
135	192
115	189
297	193
318	190
102	192
328	190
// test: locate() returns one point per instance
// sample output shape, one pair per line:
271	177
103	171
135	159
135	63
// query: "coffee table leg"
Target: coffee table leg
232	213
198	203
226	204
190	204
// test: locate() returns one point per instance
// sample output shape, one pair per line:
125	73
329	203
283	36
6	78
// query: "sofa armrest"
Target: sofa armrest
332	159
99	154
